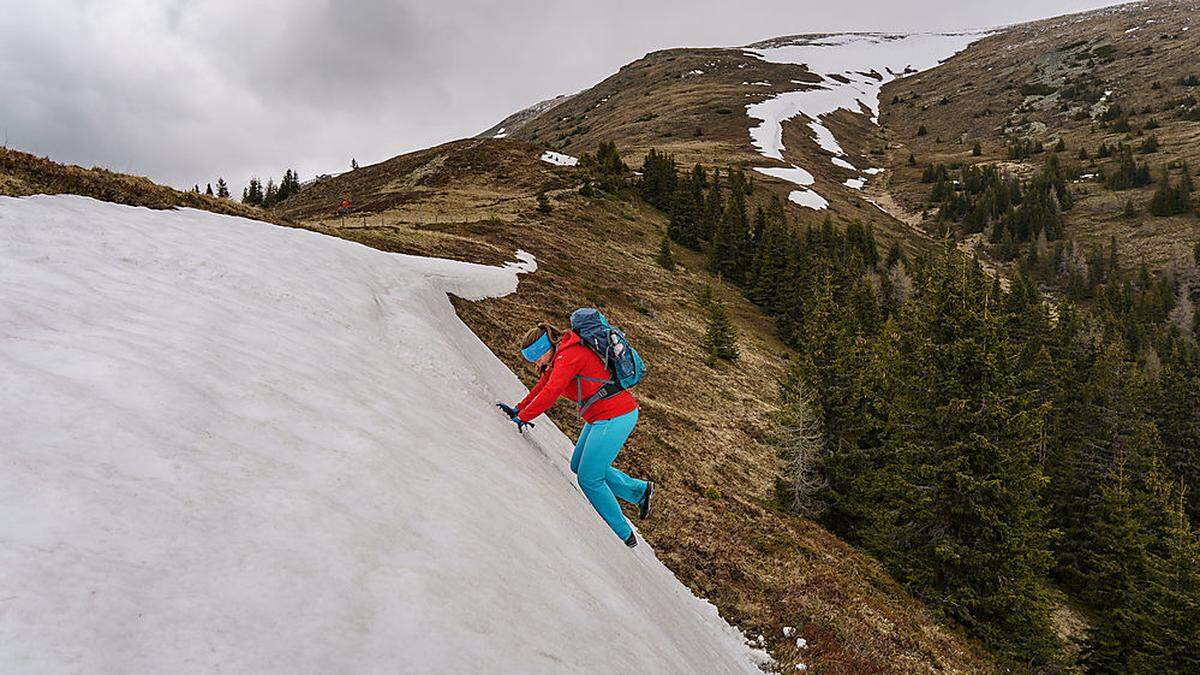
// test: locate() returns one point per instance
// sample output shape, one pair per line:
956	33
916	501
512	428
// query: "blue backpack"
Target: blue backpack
624	365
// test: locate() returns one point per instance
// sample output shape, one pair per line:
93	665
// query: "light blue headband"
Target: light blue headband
538	349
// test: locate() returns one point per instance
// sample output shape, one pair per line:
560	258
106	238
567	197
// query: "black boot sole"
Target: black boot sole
632	540
644	506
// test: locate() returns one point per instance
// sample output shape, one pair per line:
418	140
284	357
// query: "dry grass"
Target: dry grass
655	103
981	93
23	174
704	432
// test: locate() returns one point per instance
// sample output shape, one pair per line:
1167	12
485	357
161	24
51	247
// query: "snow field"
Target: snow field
866	61
235	446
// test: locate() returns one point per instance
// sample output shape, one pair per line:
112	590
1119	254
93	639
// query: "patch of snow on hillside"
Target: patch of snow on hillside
794	174
808	198
501	134
838	161
558	159
853	57
855	183
231	446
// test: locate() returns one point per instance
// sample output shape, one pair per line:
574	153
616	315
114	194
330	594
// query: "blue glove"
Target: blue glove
512	415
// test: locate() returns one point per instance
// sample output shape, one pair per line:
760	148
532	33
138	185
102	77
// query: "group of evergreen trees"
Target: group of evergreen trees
222	189
1127	173
1170	199
979	448
984	199
256	194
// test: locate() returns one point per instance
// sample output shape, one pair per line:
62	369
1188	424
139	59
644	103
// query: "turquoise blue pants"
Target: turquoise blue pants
592	460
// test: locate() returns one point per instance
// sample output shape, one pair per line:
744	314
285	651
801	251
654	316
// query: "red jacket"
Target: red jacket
574	358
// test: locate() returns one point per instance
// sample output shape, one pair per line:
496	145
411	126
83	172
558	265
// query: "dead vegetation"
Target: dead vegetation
23	174
1110	76
705	435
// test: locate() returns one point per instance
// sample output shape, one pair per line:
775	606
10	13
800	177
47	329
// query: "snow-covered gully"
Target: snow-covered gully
853	68
231	446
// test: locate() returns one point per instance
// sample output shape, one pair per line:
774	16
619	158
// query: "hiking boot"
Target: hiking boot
631	541
644	505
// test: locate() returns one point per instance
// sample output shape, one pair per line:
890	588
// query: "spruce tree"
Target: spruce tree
802	447
957	513
665	258
543	202
208	190
725	257
271	196
720	339
222	189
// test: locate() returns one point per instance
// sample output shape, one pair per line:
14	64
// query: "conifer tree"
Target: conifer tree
665	258
271	196
720	339
222	189
714	207
208	190
802	446
967	463
543	202
253	194
725	257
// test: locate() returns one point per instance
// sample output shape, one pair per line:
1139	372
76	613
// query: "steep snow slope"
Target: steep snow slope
233	446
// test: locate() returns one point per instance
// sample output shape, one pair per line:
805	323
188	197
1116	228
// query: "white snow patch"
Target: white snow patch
856	57
502	133
873	171
234	446
793	174
1130	30
809	198
866	61
788	631
855	183
558	159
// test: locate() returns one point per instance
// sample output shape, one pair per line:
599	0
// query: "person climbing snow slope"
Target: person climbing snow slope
567	367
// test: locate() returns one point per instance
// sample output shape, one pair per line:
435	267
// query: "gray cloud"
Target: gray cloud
184	91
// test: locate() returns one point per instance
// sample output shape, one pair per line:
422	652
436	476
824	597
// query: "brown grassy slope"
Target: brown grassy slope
661	101
703	434
24	174
977	96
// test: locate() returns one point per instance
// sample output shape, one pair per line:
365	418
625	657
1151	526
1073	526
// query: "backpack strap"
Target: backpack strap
608	389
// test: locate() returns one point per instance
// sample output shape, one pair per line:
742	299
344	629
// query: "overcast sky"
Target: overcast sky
184	91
